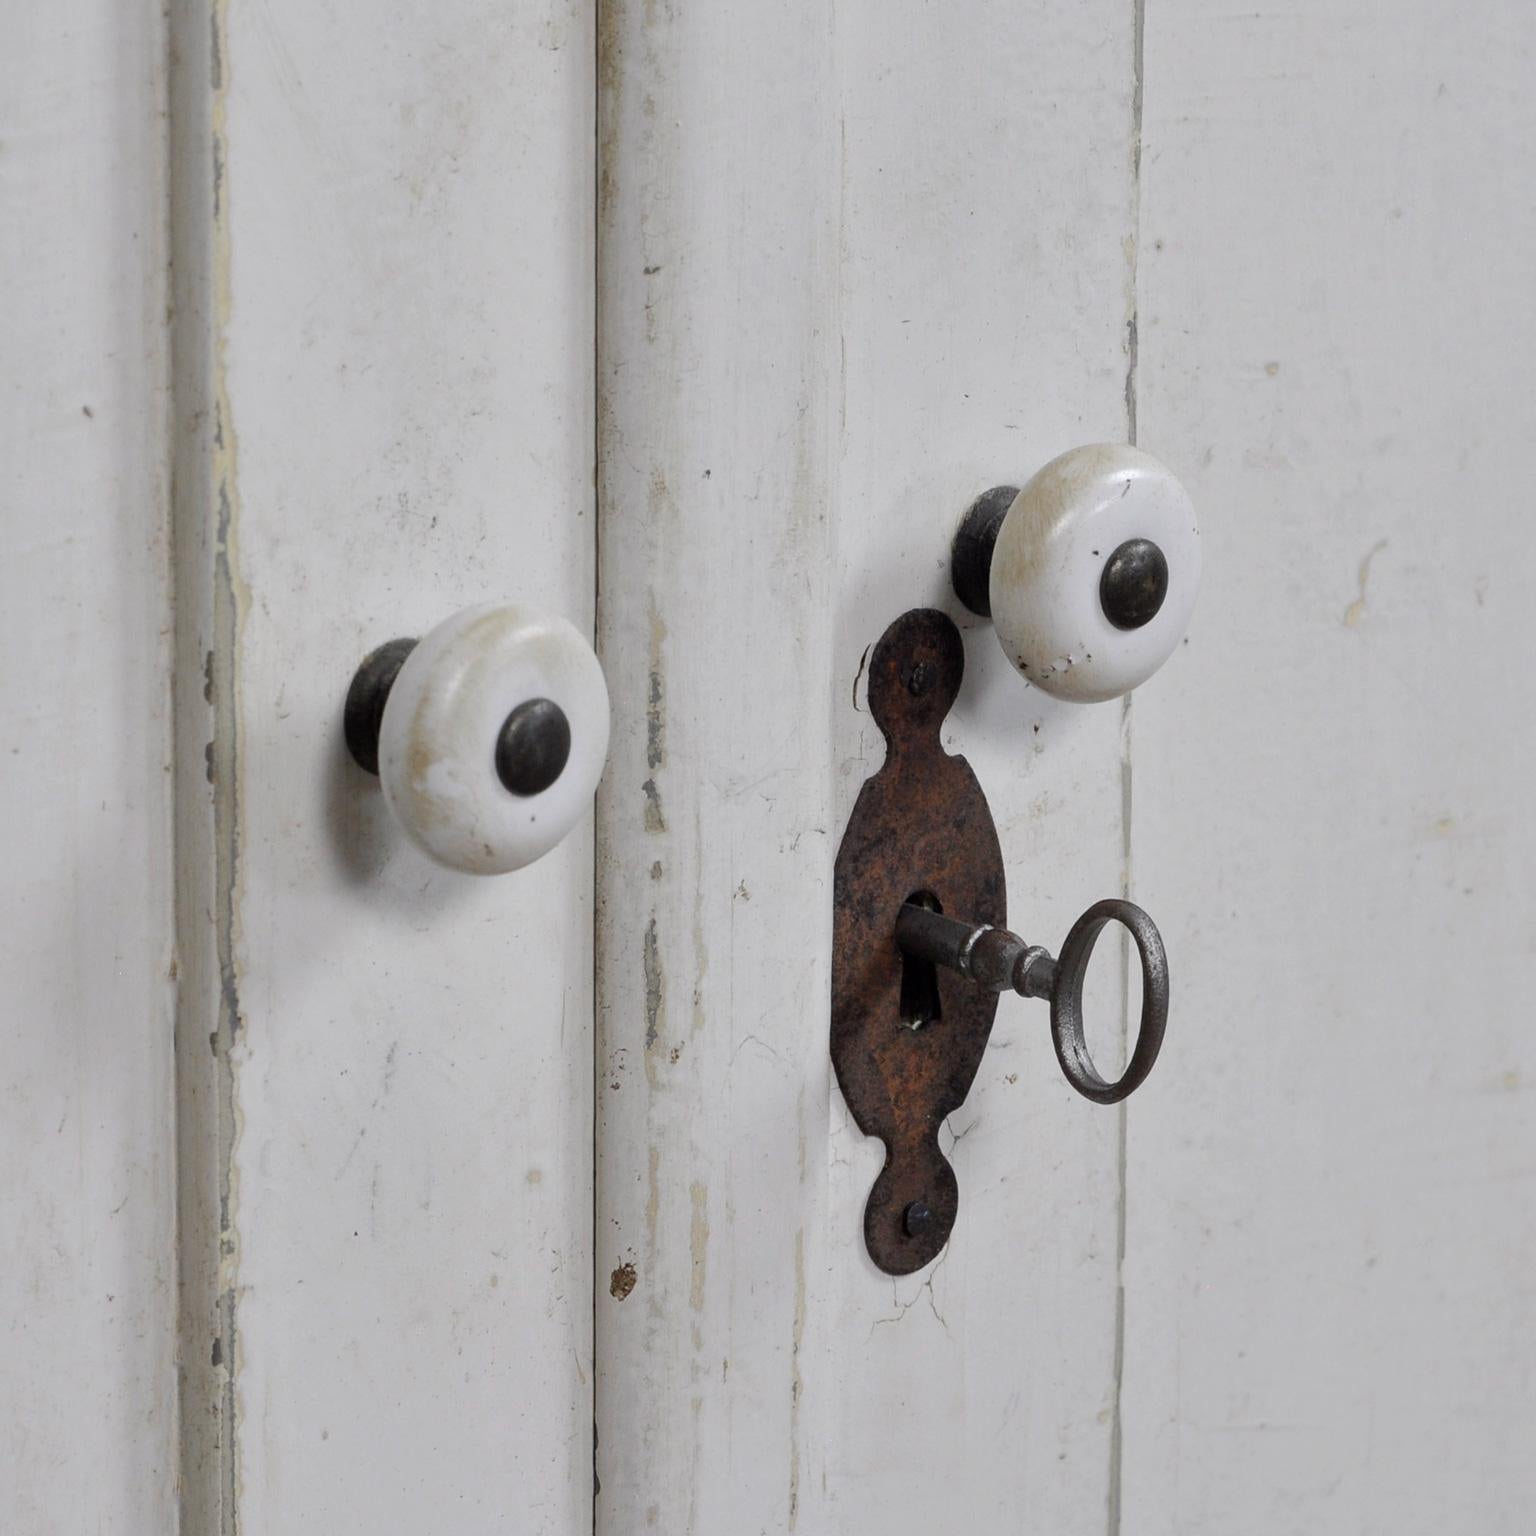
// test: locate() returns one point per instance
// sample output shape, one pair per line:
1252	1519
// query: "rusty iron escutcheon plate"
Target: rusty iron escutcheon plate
921	824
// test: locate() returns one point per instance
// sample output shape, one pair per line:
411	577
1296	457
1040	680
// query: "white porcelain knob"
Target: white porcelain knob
488	735
1090	572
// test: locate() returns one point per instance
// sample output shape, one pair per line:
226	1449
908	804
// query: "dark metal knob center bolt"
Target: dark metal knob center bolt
1002	962
532	747
1134	584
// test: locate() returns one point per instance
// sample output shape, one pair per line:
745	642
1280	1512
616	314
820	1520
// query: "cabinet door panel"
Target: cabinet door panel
852	271
1330	1325
389	1252
87	1155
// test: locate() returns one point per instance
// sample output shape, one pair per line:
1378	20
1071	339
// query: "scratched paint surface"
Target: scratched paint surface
402	385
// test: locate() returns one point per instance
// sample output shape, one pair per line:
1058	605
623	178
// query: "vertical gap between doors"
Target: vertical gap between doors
597	645
1132	381
208	605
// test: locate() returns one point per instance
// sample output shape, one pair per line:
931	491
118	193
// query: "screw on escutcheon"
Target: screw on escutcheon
917	1219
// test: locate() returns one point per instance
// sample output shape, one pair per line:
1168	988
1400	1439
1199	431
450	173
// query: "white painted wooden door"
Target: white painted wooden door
299	358
347	1194
88	1438
856	266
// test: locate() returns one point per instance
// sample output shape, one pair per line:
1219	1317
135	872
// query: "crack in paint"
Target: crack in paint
1356	610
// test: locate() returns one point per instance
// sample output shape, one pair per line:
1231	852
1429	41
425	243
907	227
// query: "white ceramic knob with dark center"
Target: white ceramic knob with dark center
488	735
1089	573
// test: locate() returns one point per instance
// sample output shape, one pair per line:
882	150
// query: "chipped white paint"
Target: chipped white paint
823	332
437	740
1286	1288
398	422
1331	1231
87	1169
1049	561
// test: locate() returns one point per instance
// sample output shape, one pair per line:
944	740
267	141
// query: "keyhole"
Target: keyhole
920	978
